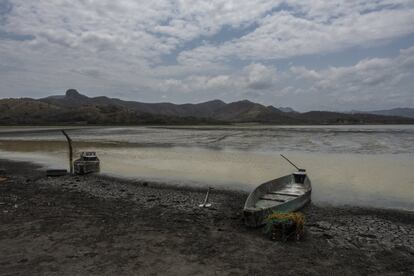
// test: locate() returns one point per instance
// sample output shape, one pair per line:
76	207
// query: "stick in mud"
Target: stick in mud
70	151
205	203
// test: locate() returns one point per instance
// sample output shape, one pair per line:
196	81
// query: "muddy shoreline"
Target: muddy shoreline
99	225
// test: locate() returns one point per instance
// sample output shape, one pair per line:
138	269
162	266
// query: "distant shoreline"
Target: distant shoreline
213	124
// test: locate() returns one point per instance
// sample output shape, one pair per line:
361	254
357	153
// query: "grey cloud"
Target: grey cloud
14	36
252	94
367	83
259	77
64	39
283	34
5	7
255	76
224	49
91	72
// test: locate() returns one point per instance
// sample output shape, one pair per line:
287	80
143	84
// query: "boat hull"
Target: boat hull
85	167
276	196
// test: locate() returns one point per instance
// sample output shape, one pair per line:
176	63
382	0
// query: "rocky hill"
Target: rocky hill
75	108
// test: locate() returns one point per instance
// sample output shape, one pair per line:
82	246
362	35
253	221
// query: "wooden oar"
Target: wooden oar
291	162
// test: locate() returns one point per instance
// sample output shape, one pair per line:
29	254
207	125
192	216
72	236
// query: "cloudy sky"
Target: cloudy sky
330	55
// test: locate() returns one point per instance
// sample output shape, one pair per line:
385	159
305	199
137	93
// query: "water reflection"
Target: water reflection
382	180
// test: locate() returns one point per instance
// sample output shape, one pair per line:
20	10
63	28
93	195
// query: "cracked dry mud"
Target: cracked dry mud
98	225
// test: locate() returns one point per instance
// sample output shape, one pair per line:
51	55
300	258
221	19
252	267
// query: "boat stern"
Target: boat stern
300	176
250	218
255	217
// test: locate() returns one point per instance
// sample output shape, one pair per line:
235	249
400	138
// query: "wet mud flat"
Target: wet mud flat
99	225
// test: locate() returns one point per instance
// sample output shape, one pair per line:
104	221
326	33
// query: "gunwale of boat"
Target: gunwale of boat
276	192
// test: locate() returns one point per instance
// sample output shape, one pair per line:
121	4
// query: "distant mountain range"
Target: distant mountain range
75	108
403	112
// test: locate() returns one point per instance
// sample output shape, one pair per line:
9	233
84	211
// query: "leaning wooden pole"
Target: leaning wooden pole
290	162
70	151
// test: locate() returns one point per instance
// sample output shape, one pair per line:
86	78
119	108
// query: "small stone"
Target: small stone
23	260
327	236
370	236
323	225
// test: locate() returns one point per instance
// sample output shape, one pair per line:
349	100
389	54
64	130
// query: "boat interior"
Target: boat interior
279	196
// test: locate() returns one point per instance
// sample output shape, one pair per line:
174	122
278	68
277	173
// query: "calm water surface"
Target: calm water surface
362	165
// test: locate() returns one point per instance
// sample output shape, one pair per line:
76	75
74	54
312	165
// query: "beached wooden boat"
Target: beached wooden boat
87	163
285	194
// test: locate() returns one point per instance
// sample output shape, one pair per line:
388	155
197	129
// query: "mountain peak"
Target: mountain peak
246	101
216	101
286	109
73	93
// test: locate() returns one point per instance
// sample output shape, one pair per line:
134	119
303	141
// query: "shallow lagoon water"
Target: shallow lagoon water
358	165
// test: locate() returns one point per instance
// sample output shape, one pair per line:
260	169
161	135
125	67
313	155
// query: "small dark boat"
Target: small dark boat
55	173
285	194
87	163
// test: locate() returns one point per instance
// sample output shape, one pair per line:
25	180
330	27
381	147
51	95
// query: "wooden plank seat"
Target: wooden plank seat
273	197
285	194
